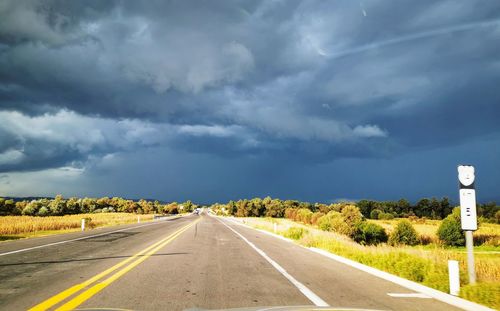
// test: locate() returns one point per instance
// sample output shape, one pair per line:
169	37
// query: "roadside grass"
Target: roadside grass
427	264
18	227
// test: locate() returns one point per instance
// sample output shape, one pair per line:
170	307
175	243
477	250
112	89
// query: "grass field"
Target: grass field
424	264
488	234
16	227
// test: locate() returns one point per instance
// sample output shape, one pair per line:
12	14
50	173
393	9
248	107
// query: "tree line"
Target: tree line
432	208
61	206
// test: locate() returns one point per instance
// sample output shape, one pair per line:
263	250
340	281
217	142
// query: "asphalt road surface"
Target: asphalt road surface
191	262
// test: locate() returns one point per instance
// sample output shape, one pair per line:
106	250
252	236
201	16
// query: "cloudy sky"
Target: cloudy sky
219	100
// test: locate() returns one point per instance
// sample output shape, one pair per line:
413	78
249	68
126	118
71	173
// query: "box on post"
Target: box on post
468	213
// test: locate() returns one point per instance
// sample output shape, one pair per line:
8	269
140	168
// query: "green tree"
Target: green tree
20	205
275	208
2	208
43	211
450	231
446	208
423	208
374	214
73	206
89	205
404	207
187	206
404	234
365	207
7	207
31	208
57	206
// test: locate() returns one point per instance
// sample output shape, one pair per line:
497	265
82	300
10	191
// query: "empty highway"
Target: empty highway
188	262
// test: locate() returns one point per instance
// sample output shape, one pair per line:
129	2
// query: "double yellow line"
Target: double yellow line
87	294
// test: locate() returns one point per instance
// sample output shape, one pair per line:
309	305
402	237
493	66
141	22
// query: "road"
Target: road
185	263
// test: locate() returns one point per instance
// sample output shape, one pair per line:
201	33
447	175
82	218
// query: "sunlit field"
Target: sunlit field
14	227
424	264
487	235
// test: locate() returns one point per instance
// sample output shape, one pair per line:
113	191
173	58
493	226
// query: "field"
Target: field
488	234
424	264
16	227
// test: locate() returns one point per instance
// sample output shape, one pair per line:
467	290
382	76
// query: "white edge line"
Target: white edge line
81	238
434	293
301	287
409	295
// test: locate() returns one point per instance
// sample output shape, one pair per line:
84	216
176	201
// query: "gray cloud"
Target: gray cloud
305	82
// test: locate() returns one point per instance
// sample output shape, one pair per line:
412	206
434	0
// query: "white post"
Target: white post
454	277
138	219
83	224
275	227
469	243
468	214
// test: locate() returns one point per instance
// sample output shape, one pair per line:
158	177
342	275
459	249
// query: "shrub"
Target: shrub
412	218
404	233
295	233
290	213
422	220
344	222
304	215
485	238
351	216
89	223
368	233
173	210
315	217
333	221
426	239
497	217
385	216
374	214
450	231
325	222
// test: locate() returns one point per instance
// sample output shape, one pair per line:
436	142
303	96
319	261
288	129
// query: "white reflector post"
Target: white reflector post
454	276
83	224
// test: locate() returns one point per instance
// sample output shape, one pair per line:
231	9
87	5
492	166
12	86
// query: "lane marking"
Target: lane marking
76	239
409	295
76	288
315	299
81	298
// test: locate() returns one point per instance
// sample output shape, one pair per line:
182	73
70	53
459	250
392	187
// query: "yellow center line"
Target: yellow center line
81	298
76	288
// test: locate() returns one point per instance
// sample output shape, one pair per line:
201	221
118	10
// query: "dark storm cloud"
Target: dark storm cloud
306	82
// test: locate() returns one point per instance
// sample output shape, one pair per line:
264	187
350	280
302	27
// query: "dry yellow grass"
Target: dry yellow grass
31	225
